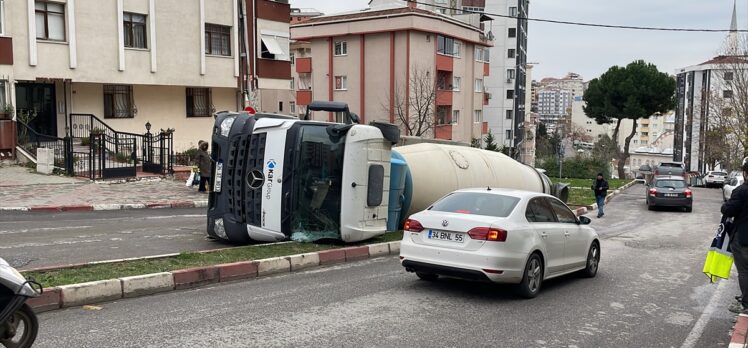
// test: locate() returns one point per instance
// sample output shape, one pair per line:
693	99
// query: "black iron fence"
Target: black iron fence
30	140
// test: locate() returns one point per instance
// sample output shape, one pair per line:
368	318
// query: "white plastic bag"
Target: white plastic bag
190	179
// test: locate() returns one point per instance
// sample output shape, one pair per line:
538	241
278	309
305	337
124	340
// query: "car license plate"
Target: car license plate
219	175
671	195
447	236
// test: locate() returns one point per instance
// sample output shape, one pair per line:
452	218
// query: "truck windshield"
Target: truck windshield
316	184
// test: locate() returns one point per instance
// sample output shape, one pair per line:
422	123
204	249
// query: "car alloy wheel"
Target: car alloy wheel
532	280
593	260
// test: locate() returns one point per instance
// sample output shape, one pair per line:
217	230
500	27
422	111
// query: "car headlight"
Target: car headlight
226	126
219	229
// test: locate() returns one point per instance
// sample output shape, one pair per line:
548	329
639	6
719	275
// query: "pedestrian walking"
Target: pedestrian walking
600	186
203	163
737	208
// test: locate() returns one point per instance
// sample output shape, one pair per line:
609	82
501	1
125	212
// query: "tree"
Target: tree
491	142
635	91
415	111
604	149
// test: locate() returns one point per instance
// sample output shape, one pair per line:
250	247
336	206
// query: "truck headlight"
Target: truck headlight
219	229
226	126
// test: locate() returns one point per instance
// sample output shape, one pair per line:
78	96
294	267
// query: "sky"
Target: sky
559	49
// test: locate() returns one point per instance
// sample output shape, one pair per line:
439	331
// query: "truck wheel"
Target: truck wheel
389	131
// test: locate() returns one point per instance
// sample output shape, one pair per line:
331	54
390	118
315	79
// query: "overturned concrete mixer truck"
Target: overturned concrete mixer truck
278	177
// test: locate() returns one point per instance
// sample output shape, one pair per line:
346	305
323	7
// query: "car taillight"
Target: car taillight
489	234
652	192
412	226
689	194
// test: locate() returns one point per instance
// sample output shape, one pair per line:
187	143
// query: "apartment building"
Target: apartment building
554	106
372	59
170	63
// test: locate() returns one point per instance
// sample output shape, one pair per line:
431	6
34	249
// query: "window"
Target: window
292	57
341	48
442	115
118	102
292	107
293	83
472	9
134	26
477	116
512	32
218	40
509	114
455	116
729	76
456	83
199	103
448	46
478	54
478	85
510	53
513	11
274	46
539	211
341	83
509	94
3	93
487	204
508	134
2	18
510	74
280	106
50	21
563	213
727	94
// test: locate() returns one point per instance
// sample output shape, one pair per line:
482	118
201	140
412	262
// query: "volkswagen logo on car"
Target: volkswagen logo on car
255	179
445	223
270	165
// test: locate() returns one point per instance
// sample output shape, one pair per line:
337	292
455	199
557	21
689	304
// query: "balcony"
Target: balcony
443	132
304	65
274	69
444	63
444	97
303	97
486	98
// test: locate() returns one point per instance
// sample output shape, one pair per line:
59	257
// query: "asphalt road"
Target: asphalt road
32	240
650	292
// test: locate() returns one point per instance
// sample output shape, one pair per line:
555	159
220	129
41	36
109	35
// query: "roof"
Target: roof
366	13
726	60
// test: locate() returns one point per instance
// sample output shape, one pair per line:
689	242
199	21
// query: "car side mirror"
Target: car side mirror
583	220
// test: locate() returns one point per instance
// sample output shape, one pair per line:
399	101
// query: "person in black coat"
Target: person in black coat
737	207
600	186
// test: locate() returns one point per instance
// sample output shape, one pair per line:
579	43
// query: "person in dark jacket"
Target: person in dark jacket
737	208
600	186
203	162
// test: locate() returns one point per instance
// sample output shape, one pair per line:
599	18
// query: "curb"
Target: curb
611	195
738	338
74	295
43	208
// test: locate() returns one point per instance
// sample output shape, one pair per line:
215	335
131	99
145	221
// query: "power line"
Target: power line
596	25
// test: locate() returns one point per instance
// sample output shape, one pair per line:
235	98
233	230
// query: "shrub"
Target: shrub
578	167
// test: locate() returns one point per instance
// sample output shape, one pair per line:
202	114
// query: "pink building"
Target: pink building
372	59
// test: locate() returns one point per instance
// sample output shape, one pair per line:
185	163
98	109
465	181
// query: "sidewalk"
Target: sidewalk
23	190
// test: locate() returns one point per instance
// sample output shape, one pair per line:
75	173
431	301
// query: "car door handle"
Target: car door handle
566	234
544	235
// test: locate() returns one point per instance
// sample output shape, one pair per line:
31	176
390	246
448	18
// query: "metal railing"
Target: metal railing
30	140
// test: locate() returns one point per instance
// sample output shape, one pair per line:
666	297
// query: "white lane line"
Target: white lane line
698	328
174	216
44	229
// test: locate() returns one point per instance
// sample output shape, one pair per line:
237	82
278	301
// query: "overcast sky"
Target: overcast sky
591	51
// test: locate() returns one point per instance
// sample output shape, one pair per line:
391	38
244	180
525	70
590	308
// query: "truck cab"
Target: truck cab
276	177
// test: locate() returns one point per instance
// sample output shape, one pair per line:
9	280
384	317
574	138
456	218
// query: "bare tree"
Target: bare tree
415	111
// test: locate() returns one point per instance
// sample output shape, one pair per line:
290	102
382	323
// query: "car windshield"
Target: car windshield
670	184
477	203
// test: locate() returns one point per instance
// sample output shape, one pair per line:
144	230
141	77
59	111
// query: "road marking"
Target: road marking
698	328
174	216
44	229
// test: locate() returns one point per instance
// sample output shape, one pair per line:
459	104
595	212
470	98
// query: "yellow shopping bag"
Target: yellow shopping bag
718	263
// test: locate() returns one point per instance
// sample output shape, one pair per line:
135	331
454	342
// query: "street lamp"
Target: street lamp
148	126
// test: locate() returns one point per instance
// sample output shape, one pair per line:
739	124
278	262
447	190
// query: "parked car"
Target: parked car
715	178
670	168
730	185
669	191
499	235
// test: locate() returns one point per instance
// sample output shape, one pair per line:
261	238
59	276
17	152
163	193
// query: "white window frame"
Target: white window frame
478	86
512	11
477	116
292	107
456	83
455	116
510	74
4	98
340	48
2	18
343	83
508	134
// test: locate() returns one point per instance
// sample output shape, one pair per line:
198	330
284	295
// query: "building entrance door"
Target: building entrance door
38	101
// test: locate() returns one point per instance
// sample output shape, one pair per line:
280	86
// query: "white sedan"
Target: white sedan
499	235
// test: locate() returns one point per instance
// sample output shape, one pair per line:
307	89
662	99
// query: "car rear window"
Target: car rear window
476	203
720	173
670	165
670	183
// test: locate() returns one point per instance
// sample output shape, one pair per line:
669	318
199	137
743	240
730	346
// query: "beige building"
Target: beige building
168	62
370	59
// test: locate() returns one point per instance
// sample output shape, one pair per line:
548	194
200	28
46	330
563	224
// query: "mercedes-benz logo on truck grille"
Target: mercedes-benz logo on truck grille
255	179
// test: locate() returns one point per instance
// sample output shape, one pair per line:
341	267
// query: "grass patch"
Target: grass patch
187	260
580	193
